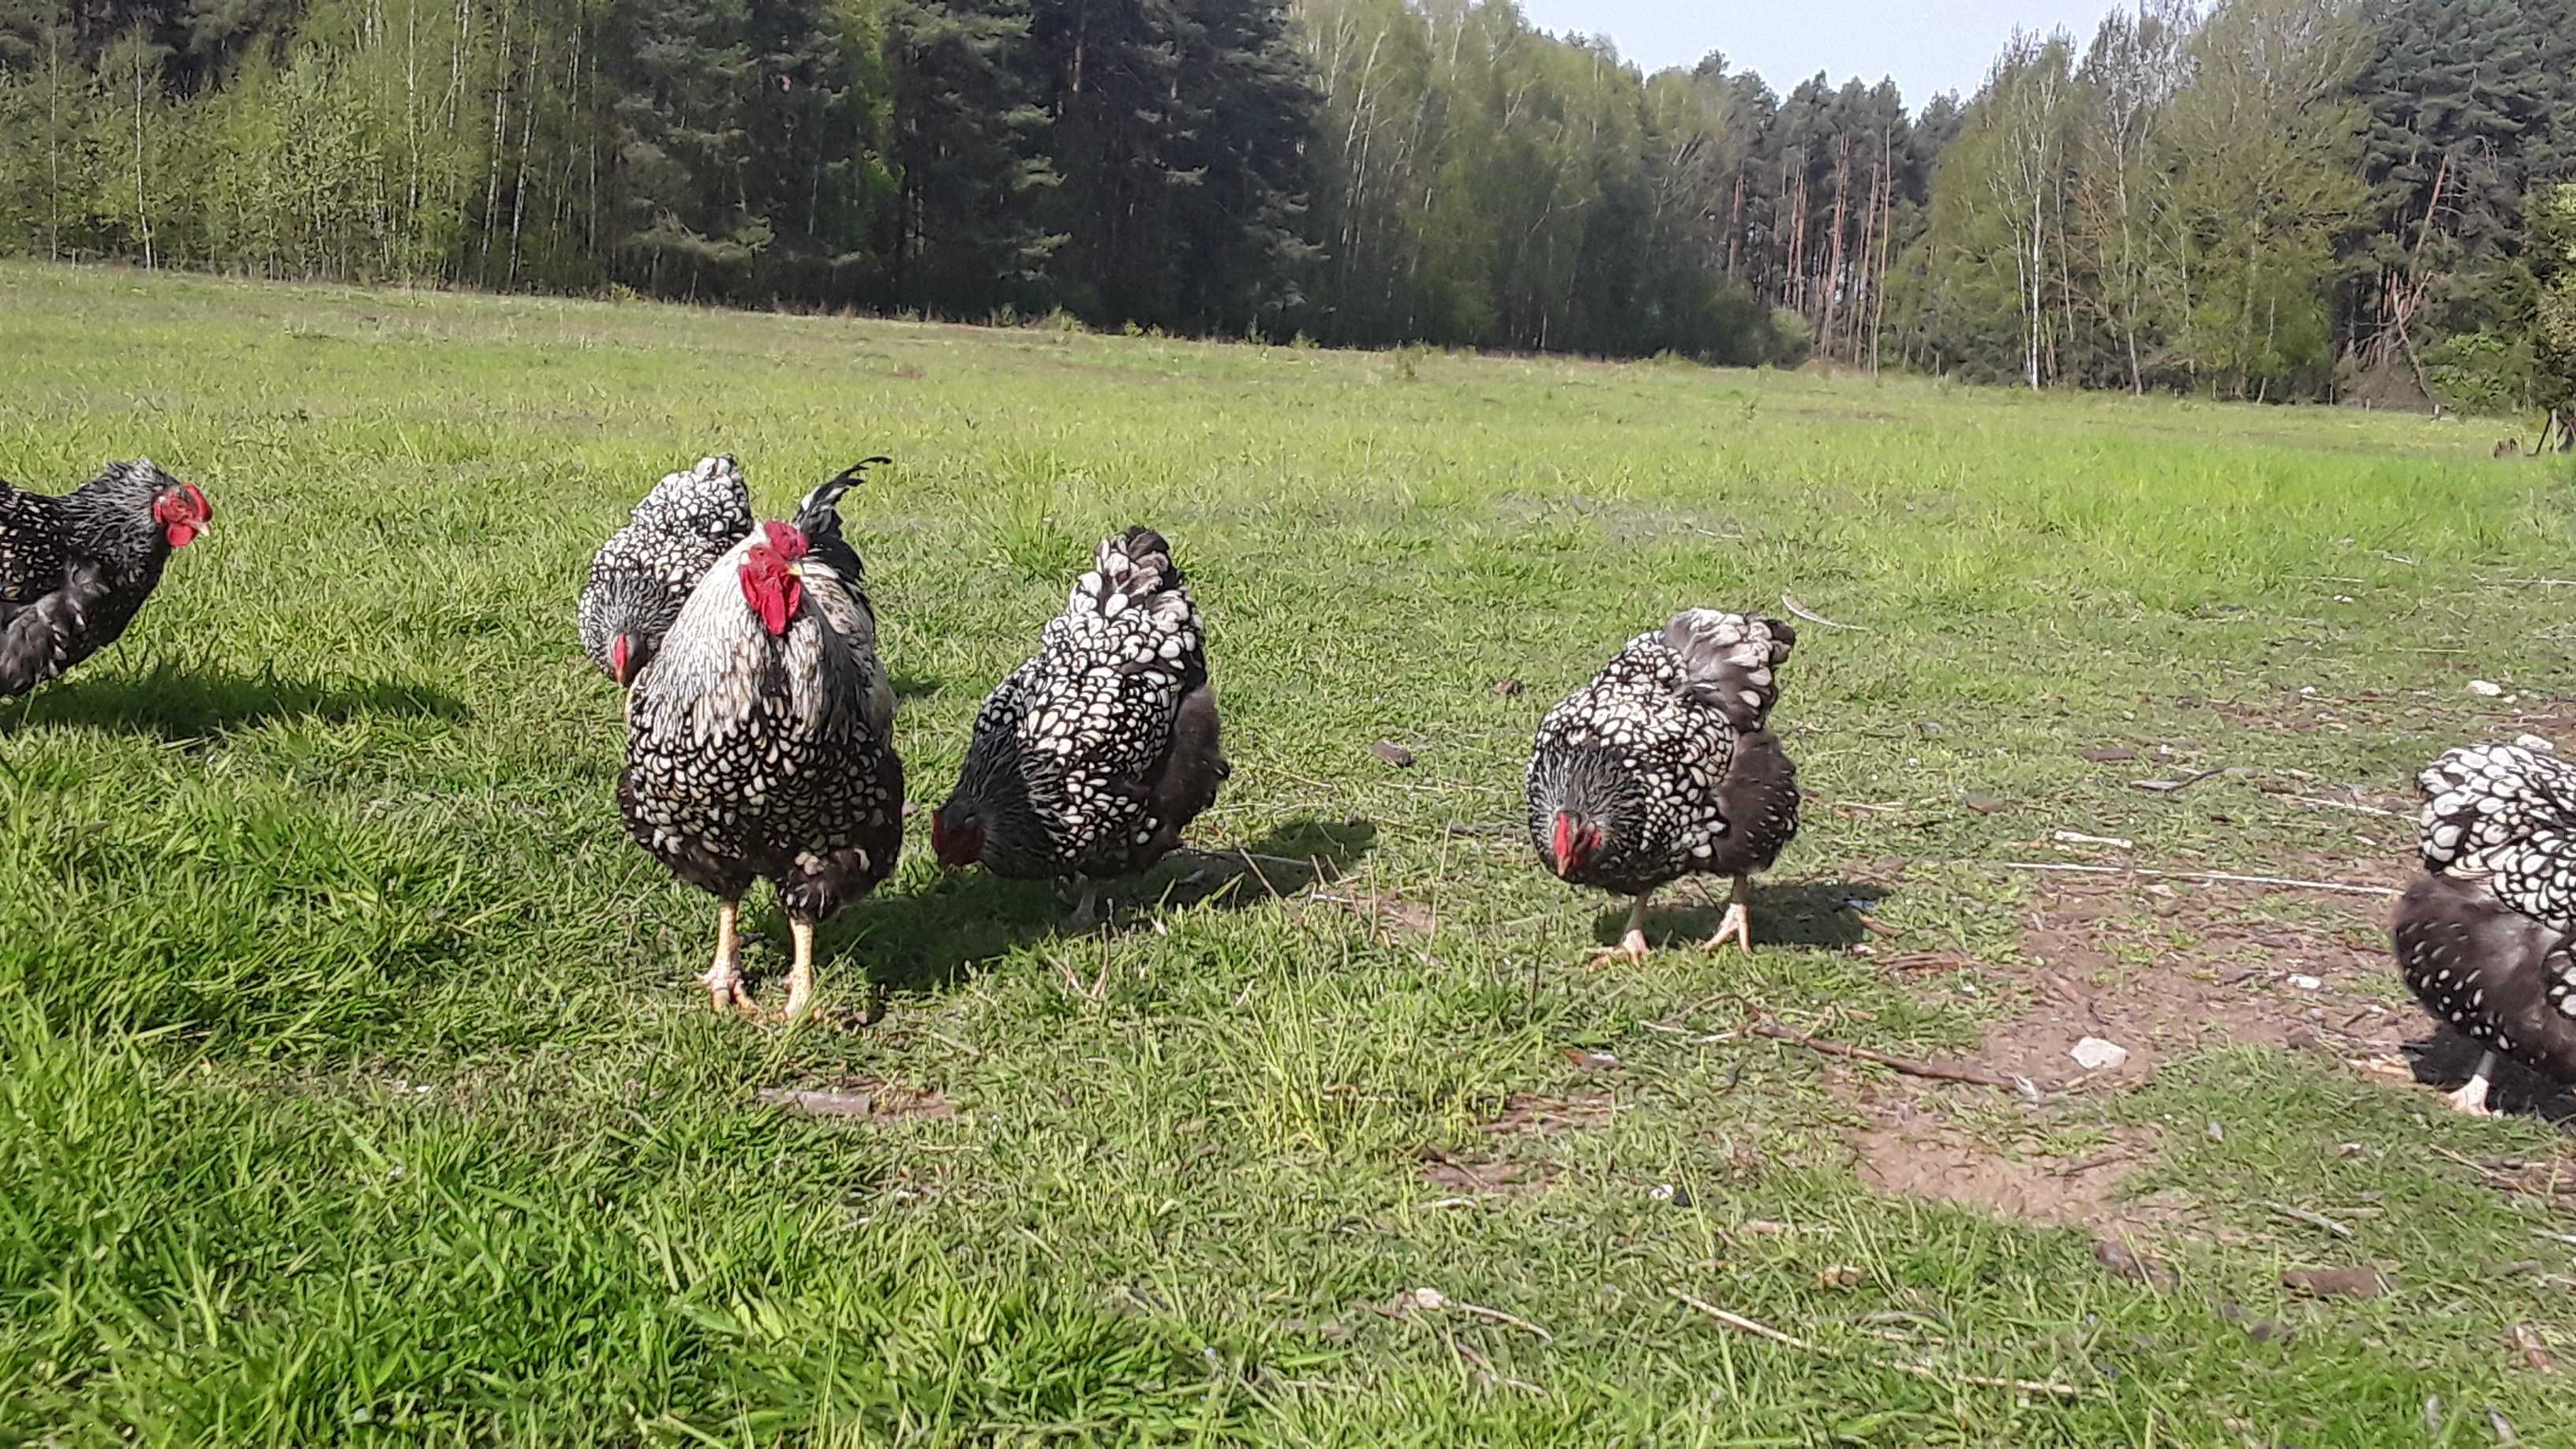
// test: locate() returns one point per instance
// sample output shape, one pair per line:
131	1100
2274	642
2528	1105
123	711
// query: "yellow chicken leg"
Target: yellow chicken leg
1632	940
800	976
724	979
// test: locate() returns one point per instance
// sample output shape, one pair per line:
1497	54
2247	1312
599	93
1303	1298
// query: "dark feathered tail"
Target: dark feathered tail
1728	659
1132	570
1149	548
819	515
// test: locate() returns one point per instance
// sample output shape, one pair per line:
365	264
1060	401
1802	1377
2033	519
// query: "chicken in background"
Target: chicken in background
1664	766
75	569
760	745
1094	756
644	573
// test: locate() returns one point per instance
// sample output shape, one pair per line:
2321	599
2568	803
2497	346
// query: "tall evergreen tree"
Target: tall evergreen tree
969	147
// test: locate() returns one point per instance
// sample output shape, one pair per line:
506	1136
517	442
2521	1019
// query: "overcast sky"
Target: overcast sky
1926	47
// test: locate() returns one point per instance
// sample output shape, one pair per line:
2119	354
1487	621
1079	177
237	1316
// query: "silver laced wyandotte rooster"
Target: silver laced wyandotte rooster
2484	938
74	569
1094	756
643	574
760	744
1664	766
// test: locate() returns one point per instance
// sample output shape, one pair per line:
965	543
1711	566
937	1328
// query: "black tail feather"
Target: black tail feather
819	513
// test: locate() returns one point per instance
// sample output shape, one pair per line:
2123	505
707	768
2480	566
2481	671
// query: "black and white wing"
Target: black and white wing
709	503
31	545
1094	710
2505	814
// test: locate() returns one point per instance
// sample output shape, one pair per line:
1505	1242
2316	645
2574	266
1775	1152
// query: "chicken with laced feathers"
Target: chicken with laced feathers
1664	765
2487	938
644	573
760	745
1093	757
75	569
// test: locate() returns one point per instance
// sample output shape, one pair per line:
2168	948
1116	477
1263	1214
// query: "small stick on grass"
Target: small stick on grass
1742	1324
2314	803
1255	864
1935	1071
1496	1315
948	1041
1485	1369
2227	877
1812	617
2312	1219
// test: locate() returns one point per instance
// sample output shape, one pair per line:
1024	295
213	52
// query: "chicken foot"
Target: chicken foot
1632	940
724	979
2471	1099
1737	924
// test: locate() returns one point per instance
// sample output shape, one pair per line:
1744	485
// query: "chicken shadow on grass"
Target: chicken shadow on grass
932	938
2445	1059
1819	915
183	704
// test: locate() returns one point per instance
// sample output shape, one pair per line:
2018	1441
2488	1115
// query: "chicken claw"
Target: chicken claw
1631	948
1736	925
726	990
1632	940
2471	1099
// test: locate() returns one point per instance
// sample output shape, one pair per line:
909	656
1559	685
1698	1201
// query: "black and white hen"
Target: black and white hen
75	569
760	744
643	574
1664	766
2484	938
1093	757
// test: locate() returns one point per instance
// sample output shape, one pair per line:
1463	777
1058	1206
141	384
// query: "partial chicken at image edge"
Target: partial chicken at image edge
76	569
760	740
1664	766
2487	938
1095	755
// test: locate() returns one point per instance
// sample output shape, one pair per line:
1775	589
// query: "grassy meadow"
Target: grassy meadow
354	1086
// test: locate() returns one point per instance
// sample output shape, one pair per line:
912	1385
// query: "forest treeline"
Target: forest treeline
2264	199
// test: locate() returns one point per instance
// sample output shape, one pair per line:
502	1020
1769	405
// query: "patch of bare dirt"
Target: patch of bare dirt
863	1102
2165	969
1533	1112
1524	1115
1943	1162
1478	1175
2162	969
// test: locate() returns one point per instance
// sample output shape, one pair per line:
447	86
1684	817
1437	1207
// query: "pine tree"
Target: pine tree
969	146
682	72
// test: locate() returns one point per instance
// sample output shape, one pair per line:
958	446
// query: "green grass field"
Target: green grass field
356	1087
